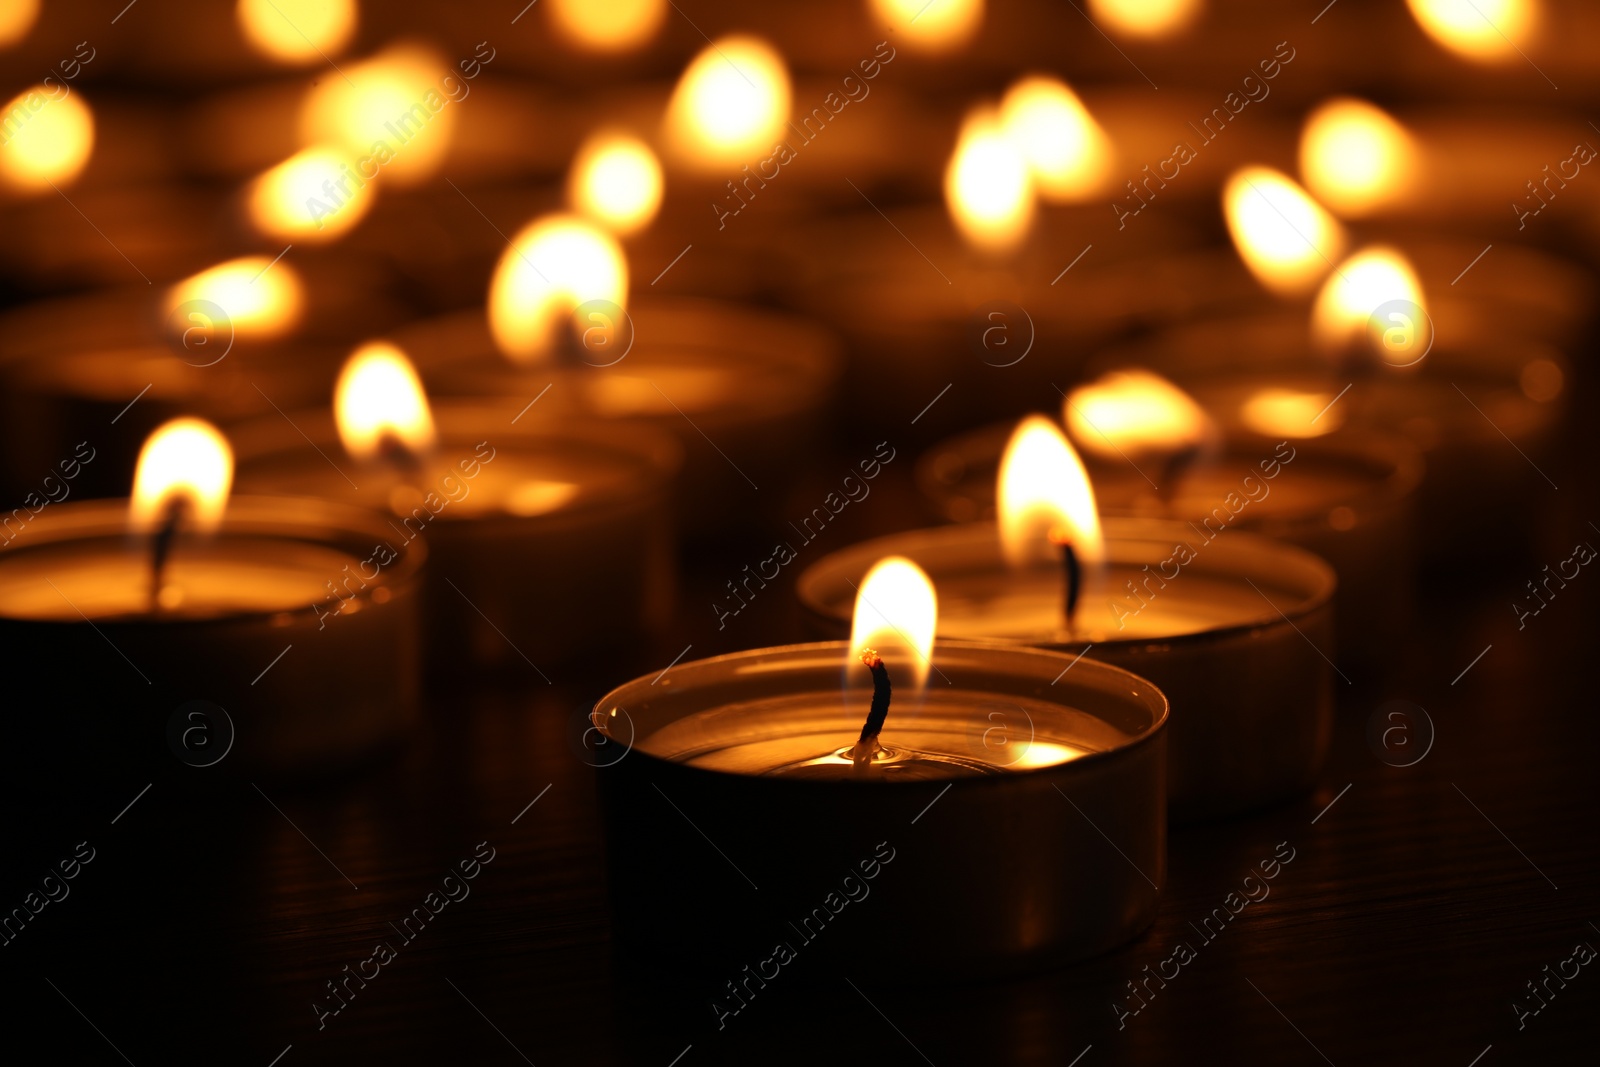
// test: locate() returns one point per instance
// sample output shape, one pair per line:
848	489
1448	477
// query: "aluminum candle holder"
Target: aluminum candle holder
978	848
1237	639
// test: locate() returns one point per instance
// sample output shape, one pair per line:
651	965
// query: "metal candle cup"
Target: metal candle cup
1236	640
996	872
558	540
112	674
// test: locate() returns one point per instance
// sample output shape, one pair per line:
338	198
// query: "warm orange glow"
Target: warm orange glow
297	31
1044	497
929	25
1484	30
553	266
1144	18
260	299
896	615
1134	411
988	186
607	25
1284	236
16	19
1365	285
1355	158
45	137
731	105
311	196
379	396
616	181
1067	152
389	113
185	459
1291	413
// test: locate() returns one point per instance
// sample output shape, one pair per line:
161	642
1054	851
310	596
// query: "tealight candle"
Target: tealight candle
190	595
1236	629
545	535
1349	500
1042	765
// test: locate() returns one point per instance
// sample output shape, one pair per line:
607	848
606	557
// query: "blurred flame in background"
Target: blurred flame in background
616	181
731	104
553	266
607	25
16	19
260	298
1043	494
1358	289
1483	30
1067	152
298	31
293	200
385	99
48	138
1144	18
185	459
1287	239
988	186
1356	158
929	25
896	615
379	395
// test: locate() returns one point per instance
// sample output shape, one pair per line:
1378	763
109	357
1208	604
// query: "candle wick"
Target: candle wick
161	545
1072	576
394	452
861	755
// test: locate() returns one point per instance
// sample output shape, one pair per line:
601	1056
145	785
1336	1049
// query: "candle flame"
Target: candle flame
1375	281
1144	18
1275	412
1355	157
988	186
260	299
930	25
379	397
1134	411
730	105
616	181
1286	238
607	25
186	460
16	19
553	266
297	31
896	613
1482	30
1067	152
387	112
45	138
1044	497
300	199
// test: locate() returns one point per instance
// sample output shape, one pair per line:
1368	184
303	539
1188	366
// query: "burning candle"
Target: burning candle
730	105
388	111
1192	608
1153	452
1493	31
930	27
49	135
297	32
1151	19
301	198
544	535
191	594
607	26
1286	238
838	745
616	180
